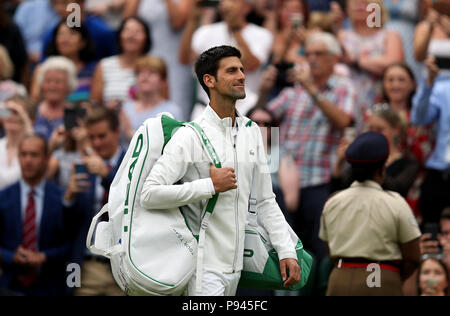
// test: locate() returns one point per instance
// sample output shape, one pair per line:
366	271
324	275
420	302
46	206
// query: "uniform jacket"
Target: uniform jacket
181	178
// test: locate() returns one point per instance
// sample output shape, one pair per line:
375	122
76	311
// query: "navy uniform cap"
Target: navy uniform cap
368	148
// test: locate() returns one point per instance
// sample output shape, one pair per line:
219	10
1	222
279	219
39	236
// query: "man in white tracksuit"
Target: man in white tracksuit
183	177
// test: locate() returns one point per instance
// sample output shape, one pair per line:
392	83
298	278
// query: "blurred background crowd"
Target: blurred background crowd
71	98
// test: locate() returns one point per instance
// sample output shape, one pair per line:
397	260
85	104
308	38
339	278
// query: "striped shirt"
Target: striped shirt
117	80
306	132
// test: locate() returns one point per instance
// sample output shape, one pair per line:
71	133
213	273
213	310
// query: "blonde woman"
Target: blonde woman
17	124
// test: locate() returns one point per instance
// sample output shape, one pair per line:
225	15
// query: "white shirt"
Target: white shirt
10	173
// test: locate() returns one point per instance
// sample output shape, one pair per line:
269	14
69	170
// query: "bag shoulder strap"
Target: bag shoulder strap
209	207
213	157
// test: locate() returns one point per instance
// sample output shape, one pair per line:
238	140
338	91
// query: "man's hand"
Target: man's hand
223	179
19	257
96	165
29	258
428	246
302	75
290	266
34	259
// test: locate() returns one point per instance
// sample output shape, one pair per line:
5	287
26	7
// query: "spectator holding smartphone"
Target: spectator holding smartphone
68	144
441	245
289	31
430	105
88	189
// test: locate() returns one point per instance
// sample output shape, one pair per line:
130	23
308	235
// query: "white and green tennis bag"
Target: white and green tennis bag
152	252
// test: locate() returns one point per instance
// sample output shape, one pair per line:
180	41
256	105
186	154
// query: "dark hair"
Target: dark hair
148	39
364	172
443	266
100	114
5	20
446	213
273	121
410	74
86	54
38	137
208	62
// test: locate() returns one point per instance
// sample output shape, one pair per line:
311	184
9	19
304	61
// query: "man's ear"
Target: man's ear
209	81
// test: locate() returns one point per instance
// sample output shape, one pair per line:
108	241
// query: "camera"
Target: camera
283	69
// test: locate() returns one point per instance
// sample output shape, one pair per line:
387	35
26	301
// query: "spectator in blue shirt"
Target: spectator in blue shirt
431	104
101	34
34	30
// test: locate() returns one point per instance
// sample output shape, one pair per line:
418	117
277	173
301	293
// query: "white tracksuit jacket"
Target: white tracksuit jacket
181	177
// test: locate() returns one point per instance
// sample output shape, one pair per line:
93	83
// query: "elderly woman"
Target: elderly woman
57	79
369	50
17	124
151	75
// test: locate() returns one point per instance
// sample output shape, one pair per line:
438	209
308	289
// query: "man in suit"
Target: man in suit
88	193
34	234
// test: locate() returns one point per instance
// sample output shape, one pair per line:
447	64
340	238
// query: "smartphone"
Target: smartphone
70	119
209	3
71	116
80	168
5	112
433	229
282	77
443	62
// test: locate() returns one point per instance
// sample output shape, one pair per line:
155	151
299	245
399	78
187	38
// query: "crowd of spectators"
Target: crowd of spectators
323	72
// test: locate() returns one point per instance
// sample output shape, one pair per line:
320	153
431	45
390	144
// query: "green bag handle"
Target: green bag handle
214	158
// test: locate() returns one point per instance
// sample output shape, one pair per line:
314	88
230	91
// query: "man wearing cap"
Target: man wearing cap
371	234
